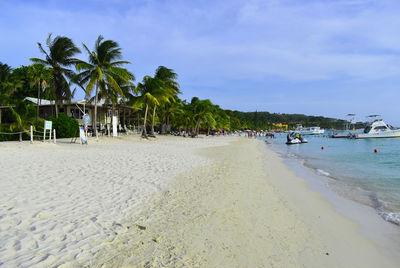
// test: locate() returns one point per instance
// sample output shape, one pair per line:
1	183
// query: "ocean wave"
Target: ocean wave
322	172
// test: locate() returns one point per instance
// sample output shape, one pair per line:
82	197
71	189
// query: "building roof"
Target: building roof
73	101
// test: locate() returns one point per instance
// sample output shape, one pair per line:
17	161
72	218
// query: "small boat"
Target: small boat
309	130
342	134
347	132
378	129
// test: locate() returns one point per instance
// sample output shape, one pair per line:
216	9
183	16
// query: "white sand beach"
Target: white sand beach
173	202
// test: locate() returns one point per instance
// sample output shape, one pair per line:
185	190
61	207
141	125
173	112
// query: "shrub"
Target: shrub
65	126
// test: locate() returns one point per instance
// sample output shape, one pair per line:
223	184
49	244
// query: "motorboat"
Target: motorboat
310	130
347	133
342	134
349	130
378	129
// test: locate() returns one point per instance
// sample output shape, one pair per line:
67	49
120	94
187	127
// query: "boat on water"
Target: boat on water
295	138
309	130
349	130
346	133
378	129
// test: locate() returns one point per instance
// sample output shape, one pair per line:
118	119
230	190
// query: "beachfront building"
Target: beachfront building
77	108
280	126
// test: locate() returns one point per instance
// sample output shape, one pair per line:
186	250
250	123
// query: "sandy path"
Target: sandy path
228	214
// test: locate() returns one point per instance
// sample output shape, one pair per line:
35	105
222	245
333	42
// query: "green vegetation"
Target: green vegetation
155	100
65	126
266	120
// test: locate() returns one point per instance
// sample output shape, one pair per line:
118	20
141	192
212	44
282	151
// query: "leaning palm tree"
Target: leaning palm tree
59	57
102	70
24	116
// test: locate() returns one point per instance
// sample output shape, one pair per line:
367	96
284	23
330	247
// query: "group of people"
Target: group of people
255	134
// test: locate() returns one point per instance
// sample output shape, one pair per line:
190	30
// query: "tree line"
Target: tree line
104	76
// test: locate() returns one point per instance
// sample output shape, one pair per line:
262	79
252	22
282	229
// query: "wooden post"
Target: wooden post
50	134
31	134
54	137
44	135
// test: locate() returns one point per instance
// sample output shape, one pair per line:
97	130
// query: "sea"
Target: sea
366	171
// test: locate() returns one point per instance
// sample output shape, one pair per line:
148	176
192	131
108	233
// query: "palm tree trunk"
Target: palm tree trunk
144	132
56	106
56	95
198	128
194	131
167	122
20	136
112	116
152	123
95	110
37	107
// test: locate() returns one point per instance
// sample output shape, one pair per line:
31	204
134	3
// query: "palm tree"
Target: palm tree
59	58
6	85
169	92
9	84
103	70
24	118
117	96
40	76
202	111
174	115
149	90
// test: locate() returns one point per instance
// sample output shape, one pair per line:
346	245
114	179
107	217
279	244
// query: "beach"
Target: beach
169	202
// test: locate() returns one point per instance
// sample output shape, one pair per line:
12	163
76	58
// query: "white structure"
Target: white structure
309	130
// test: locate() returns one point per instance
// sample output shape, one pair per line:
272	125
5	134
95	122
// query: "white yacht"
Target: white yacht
309	130
378	129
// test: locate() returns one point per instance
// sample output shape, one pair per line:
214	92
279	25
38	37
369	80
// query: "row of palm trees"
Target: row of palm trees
104	77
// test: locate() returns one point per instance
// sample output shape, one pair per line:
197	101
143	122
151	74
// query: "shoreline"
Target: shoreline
208	202
351	181
370	224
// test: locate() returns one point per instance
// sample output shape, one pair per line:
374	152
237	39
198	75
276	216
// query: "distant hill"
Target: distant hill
265	120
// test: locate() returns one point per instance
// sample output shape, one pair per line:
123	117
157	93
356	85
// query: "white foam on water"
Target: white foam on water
322	172
390	217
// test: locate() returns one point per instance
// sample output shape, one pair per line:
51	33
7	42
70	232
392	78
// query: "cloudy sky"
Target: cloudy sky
317	57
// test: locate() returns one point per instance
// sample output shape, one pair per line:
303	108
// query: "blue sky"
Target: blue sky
317	57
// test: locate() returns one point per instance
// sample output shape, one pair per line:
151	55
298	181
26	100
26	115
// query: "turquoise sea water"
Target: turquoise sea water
355	170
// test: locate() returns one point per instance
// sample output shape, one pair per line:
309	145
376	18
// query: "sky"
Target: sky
315	57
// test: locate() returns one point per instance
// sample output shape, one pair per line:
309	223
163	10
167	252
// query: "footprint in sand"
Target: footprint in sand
17	245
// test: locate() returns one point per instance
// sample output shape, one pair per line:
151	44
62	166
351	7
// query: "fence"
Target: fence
34	134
